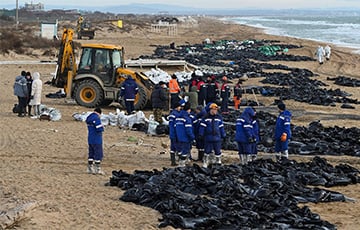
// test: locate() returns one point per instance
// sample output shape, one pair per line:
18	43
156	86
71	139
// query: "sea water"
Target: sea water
339	28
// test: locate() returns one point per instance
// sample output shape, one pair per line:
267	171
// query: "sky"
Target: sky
207	4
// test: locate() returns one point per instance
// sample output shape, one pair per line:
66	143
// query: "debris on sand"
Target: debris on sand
261	195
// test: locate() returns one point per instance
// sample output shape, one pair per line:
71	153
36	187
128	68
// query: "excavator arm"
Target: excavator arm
66	64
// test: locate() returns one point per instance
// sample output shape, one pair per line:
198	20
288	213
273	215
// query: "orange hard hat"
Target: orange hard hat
213	106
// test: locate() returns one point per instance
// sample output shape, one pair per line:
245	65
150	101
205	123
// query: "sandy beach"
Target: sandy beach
45	162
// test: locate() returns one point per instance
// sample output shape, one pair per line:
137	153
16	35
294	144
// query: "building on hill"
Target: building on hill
34	6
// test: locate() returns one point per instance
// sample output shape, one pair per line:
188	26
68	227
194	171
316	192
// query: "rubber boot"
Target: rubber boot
29	111
253	157
172	158
245	159
90	168
98	169
278	156
242	159
286	154
218	160
177	156
200	155
182	161
212	159
206	160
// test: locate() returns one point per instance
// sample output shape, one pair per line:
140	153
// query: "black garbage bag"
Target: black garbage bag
162	129
16	108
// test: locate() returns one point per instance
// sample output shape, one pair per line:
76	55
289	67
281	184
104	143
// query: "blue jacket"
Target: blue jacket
172	117
197	120
20	86
129	89
283	124
212	128
256	130
183	127
95	129
244	127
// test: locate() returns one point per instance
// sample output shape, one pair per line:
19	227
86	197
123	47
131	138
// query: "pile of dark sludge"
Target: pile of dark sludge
315	139
345	81
303	89
239	56
260	195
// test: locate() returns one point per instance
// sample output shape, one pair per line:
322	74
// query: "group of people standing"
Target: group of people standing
200	92
28	90
204	127
322	53
248	134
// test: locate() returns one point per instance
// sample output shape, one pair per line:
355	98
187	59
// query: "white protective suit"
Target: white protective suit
36	89
327	52
320	54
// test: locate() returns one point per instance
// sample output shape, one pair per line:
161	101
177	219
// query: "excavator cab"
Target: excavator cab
101	61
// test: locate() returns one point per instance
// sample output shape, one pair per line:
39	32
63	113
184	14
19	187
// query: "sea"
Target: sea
333	27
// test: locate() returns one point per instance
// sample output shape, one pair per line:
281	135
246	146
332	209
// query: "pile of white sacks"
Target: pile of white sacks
123	121
52	113
157	75
116	119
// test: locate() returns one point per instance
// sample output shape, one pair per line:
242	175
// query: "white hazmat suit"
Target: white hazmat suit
36	89
320	52
327	52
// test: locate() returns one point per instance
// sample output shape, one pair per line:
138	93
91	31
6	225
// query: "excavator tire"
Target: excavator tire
88	93
140	100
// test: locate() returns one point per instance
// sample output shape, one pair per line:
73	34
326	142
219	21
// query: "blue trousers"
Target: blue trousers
95	152
129	106
185	148
253	147
200	144
210	146
281	146
244	148
174	145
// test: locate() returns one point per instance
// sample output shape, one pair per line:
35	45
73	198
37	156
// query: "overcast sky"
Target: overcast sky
215	4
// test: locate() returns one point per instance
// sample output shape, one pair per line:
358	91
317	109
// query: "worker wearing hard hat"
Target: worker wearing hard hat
212	131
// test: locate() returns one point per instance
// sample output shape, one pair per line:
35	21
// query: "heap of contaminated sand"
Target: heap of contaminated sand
45	162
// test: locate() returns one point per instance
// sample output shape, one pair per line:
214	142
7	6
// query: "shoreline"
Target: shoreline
268	31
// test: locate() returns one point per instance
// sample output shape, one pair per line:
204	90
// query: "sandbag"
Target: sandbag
16	108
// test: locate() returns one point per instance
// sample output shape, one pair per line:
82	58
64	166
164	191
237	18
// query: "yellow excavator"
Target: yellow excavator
97	79
84	29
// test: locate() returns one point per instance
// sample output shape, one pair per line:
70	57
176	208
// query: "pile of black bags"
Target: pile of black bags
315	139
261	195
345	81
239	55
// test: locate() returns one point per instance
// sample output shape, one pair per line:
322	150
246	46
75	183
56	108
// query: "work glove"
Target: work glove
238	98
252	140
283	137
31	97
